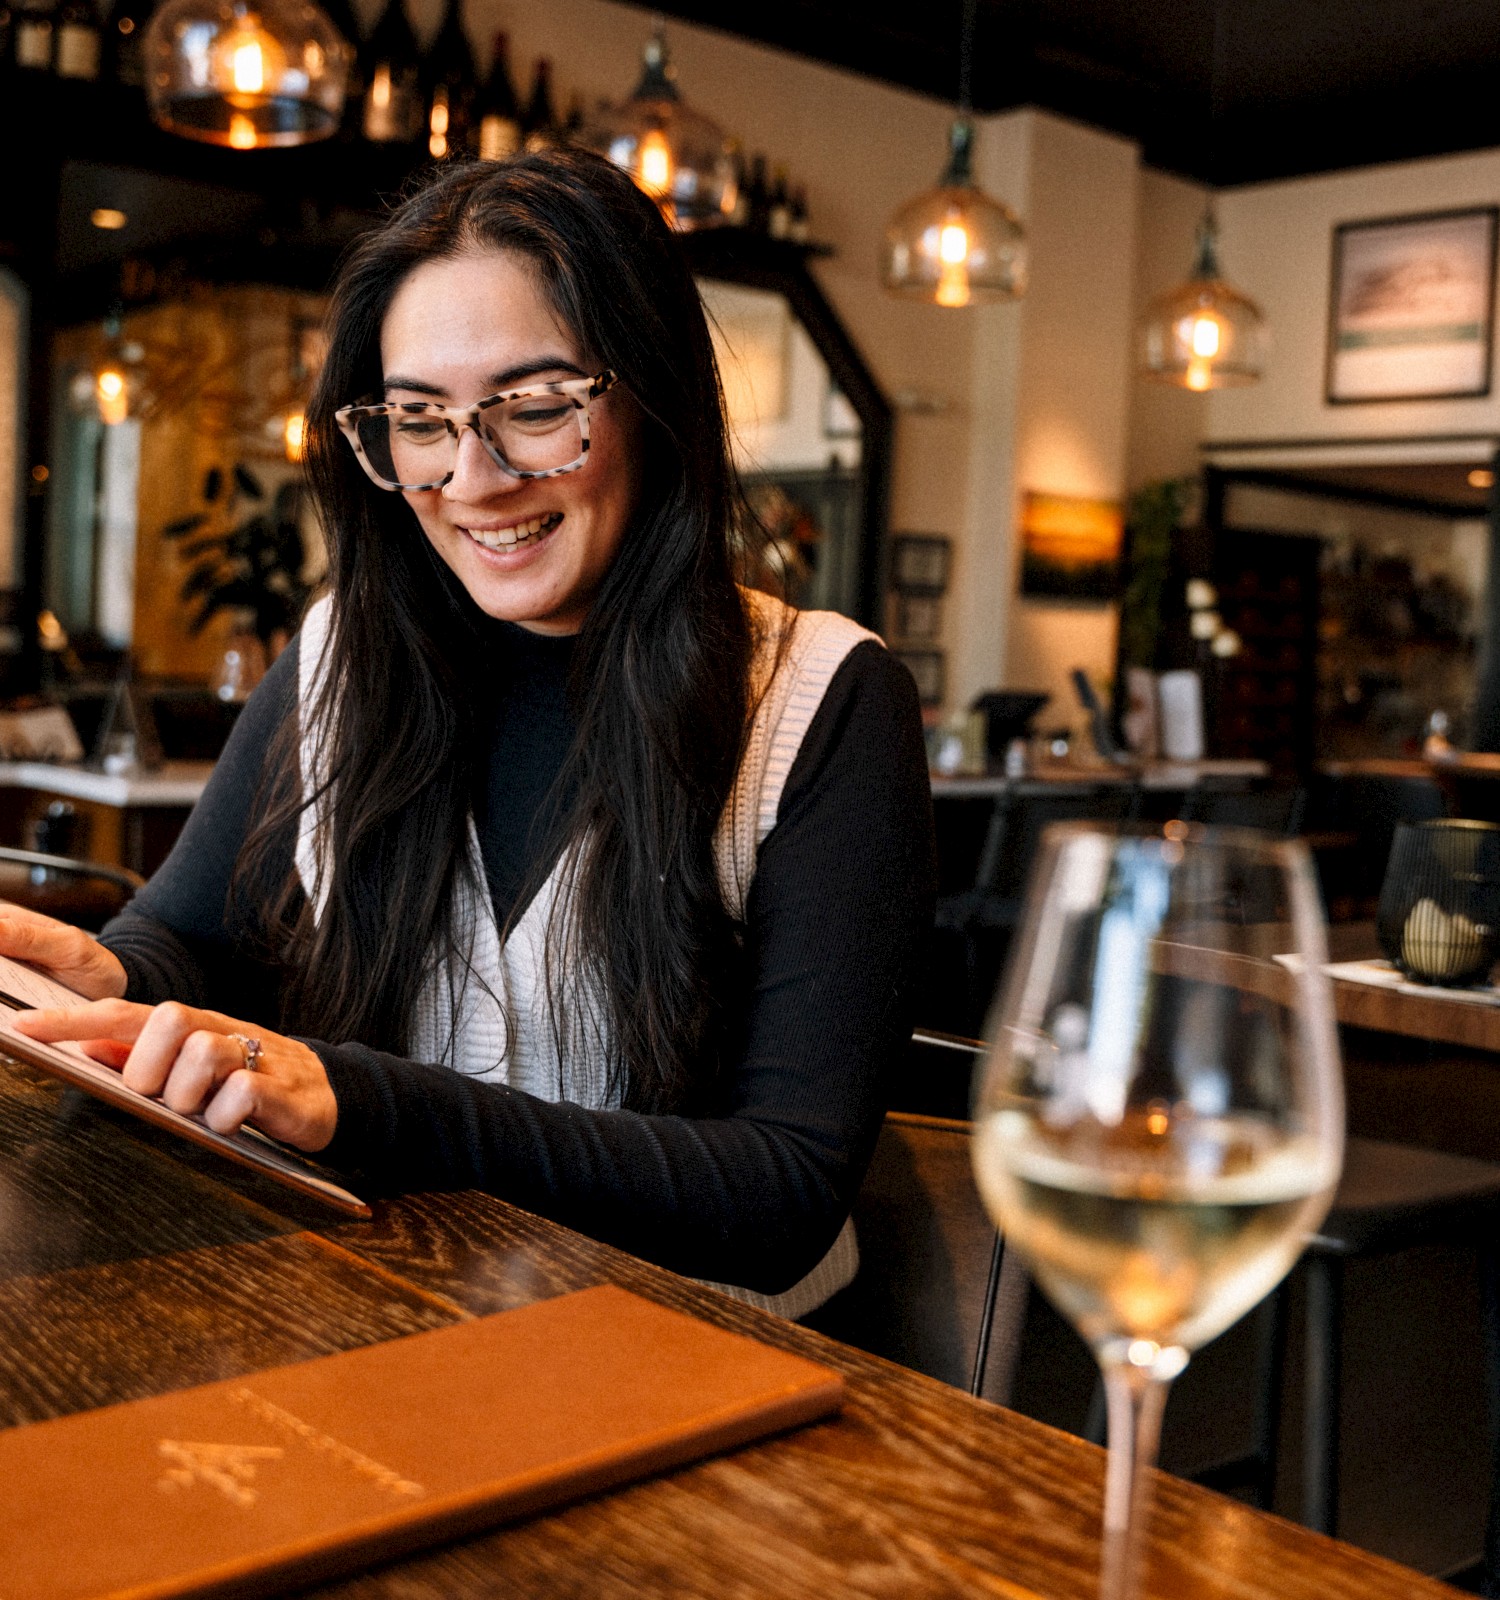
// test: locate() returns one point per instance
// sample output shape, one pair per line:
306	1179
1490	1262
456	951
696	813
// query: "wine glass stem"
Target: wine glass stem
1136	1401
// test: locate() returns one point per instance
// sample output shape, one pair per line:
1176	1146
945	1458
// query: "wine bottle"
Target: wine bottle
499	113
32	38
757	195
123	33
341	14
77	50
450	87
779	212
572	128
539	122
801	227
393	103
739	215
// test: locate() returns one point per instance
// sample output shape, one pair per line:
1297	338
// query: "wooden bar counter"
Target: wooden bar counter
129	1267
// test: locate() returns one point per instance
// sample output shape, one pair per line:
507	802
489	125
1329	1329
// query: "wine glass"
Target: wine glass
1159	1124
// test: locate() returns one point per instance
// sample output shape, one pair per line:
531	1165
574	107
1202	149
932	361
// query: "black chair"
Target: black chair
981	920
84	893
936	1290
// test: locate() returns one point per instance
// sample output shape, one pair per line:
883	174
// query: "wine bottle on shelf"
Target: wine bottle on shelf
123	32
341	14
393	101
779	211
499	113
739	215
801	227
31	40
539	122
572	128
757	195
77	49
450	87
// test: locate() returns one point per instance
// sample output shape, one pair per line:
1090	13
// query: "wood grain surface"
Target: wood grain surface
127	1273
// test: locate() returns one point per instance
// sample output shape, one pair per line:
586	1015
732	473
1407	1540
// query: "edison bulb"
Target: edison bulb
654	164
293	435
110	394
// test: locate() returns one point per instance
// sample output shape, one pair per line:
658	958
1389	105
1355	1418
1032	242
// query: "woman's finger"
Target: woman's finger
107	1052
204	1061
160	1038
98	1019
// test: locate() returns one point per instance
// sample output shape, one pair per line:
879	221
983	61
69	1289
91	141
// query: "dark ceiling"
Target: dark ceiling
1223	91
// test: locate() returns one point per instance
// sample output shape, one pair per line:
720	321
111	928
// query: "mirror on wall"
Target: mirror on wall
798	444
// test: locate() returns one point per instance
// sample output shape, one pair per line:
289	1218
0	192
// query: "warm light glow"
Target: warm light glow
1200	374
1481	478
248	65
109	392
654	164
241	132
437	124
293	434
1205	338
380	87
953	244
953	284
108	218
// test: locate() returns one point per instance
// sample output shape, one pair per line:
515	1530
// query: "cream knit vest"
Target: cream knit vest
461	1014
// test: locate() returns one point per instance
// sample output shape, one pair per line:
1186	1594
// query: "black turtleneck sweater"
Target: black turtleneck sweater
751	1193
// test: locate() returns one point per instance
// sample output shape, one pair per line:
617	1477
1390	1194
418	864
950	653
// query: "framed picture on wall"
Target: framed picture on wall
919	617
929	668
1412	307
919	563
1070	548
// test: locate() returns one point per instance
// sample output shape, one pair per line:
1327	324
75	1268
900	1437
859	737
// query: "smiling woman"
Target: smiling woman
548	859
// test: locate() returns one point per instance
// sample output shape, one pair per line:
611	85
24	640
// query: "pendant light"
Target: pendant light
246	73
955	245
675	154
1204	334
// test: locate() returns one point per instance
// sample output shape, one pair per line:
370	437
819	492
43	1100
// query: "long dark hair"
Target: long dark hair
658	682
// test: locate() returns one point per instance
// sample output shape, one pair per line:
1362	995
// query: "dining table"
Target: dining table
132	1264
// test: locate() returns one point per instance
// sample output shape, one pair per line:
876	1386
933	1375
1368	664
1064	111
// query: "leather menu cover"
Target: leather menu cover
305	1472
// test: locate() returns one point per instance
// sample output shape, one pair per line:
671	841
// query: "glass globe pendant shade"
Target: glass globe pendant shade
1204	334
675	154
955	245
245	73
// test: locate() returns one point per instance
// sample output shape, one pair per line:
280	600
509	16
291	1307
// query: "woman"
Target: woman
570	870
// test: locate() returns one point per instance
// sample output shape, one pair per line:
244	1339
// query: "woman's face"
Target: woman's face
464	327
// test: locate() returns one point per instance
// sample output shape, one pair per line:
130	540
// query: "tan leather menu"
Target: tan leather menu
308	1471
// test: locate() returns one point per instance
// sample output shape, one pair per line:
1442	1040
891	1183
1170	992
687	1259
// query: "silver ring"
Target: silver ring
252	1050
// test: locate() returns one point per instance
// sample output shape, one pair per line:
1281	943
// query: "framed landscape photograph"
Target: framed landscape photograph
1412	307
1070	548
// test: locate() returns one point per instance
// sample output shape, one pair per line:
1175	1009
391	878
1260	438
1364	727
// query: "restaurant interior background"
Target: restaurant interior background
898	451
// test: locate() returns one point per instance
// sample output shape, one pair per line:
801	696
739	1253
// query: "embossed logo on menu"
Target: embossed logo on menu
232	1468
229	1468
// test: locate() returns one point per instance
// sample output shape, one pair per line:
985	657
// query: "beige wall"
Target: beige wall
1074	379
1166	423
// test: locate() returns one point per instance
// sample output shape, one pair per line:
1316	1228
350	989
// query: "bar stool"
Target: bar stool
1393	1197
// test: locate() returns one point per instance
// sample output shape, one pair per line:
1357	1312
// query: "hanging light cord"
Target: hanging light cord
966	59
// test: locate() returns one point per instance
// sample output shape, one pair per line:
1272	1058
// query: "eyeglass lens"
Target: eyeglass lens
536	433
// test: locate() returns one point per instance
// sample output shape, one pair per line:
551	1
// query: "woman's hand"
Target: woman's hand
192	1061
68	954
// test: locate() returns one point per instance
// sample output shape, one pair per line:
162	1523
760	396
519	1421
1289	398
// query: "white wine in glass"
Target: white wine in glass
1160	1121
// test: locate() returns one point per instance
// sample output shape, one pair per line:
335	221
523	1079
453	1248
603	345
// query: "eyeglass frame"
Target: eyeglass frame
581	391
